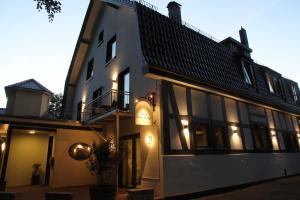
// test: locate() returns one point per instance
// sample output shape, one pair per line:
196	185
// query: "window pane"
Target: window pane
126	90
256	138
113	49
265	138
219	134
201	136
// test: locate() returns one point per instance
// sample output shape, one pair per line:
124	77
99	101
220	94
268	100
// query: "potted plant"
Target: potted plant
103	164
36	174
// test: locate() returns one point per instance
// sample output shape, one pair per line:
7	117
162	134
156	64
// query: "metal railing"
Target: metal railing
132	3
200	31
111	100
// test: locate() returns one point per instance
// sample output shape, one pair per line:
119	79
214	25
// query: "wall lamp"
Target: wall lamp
150	97
149	139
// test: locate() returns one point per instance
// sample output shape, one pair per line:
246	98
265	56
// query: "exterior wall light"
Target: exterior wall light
3	145
273	134
31	132
149	139
234	129
114	85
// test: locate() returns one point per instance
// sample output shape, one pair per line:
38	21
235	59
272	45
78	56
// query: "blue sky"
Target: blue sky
31	47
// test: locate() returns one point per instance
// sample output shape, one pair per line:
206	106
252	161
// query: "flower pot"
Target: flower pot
105	192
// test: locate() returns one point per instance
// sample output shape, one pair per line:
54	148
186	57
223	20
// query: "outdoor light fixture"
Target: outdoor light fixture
31	132
114	85
149	139
234	129
298	135
3	145
273	134
150	97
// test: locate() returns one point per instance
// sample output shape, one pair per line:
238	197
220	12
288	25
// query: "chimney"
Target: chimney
174	11
243	37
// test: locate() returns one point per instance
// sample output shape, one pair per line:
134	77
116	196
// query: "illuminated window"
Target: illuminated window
111	50
201	136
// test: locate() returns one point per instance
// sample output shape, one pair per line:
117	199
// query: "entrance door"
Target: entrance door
130	167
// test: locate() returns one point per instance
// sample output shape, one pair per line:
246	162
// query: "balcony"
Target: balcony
102	109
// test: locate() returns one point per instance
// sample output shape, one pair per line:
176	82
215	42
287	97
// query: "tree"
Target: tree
55	106
51	6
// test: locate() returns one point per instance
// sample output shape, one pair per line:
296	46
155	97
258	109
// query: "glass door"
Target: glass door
130	167
124	89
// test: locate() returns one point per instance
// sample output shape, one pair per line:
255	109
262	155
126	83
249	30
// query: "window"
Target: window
291	140
201	136
274	84
247	72
124	89
111	48
89	72
261	138
270	83
100	38
294	92
97	101
219	137
79	109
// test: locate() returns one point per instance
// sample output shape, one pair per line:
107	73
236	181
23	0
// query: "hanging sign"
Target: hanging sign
143	113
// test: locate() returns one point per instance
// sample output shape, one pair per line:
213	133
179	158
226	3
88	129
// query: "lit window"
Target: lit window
111	50
89	73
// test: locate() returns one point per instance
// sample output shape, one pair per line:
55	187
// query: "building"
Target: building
28	136
191	114
219	119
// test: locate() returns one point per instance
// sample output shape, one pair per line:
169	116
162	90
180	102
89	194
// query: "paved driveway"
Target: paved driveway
283	189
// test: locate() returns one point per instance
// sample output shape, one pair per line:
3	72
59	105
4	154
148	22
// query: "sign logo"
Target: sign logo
143	113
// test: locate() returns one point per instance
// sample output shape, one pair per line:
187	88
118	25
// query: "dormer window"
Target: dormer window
247	72
274	84
294	92
270	83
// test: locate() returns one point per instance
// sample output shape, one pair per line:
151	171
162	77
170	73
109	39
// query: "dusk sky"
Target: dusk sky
31	47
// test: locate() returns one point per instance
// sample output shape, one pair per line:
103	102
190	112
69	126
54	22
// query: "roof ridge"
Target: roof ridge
35	85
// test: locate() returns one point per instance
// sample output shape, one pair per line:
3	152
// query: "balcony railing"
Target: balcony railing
110	101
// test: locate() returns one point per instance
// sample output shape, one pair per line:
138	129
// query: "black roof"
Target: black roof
174	50
30	84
